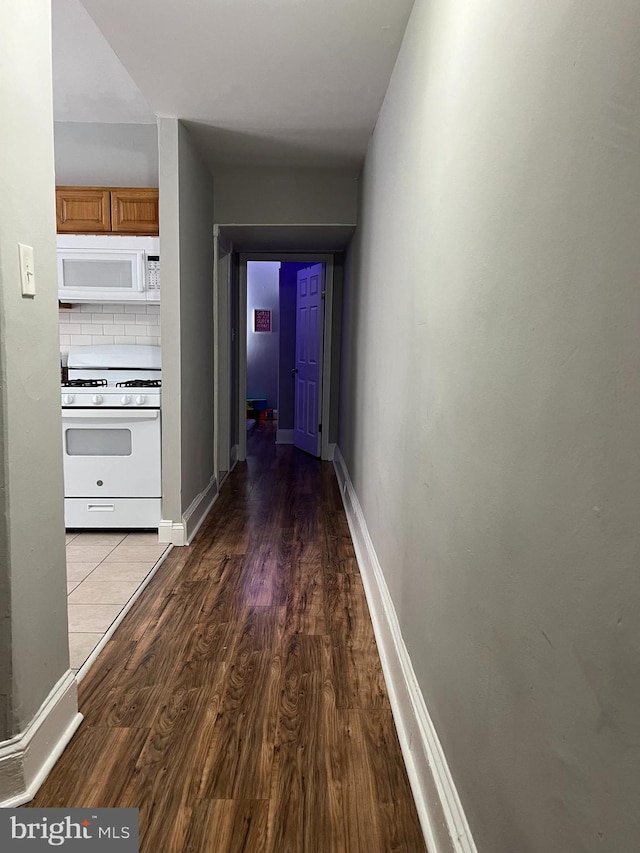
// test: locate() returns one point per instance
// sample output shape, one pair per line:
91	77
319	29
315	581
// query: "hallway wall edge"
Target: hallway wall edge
199	508
437	801
180	533
27	760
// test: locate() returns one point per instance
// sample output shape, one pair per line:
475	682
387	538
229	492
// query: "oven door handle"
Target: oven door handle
111	414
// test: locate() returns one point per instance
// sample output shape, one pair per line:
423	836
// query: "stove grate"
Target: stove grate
84	383
140	383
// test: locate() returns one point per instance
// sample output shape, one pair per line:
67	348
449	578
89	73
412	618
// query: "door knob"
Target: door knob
295	370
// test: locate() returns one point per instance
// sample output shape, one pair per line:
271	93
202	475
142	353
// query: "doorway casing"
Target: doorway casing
326	448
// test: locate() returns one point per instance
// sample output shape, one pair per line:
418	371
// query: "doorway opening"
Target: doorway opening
265	318
286	305
285	320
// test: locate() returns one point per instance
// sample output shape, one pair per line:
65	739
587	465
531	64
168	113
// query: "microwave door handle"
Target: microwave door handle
142	272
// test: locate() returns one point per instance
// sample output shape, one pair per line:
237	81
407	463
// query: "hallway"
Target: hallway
241	703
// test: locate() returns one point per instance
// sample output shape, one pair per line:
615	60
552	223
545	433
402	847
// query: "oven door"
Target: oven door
111	453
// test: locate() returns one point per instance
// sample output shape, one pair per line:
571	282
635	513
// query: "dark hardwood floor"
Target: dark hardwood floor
241	704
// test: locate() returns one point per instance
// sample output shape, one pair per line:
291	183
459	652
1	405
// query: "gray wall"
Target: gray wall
33	617
263	347
491	405
170	320
99	154
186	235
196	318
285	197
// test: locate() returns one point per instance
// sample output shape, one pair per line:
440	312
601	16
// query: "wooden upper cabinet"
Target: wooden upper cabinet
83	210
107	210
134	211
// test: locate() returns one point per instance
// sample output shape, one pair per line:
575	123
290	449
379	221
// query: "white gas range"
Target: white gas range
112	437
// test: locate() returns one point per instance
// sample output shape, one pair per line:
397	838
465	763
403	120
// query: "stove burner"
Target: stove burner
84	383
140	383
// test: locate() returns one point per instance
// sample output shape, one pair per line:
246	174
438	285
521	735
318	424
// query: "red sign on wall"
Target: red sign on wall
262	320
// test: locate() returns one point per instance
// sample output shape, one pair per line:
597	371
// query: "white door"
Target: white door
308	369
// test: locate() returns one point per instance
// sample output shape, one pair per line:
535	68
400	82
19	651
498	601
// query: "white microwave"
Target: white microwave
106	268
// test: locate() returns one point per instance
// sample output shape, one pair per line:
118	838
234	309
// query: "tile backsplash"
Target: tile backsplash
97	323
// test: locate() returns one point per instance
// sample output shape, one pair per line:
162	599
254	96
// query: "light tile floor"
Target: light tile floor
104	569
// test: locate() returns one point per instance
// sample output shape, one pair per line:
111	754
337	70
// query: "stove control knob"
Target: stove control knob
141	400
125	399
68	399
97	399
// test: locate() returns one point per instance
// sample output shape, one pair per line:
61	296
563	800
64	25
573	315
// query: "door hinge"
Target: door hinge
323	294
319	427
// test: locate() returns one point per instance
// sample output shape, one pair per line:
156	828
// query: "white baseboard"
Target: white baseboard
171	533
26	760
331	452
439	808
198	509
284	436
181	533
226	474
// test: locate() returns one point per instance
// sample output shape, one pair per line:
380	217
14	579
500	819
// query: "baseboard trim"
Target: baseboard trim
26	760
171	533
437	801
284	436
199	508
226	475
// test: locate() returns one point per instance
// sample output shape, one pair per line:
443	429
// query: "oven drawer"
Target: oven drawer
111	453
116	513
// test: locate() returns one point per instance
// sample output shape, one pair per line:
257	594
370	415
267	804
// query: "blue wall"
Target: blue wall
262	347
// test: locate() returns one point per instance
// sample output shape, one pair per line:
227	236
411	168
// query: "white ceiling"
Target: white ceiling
89	81
266	82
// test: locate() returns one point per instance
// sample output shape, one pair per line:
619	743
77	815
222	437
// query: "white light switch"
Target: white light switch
27	272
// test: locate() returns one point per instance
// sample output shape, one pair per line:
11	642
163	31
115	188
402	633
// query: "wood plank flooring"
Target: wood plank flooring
241	704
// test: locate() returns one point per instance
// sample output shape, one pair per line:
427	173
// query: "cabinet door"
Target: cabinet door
134	211
83	210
